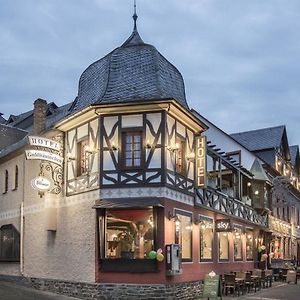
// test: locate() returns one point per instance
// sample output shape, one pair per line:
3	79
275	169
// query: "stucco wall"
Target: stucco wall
10	204
67	253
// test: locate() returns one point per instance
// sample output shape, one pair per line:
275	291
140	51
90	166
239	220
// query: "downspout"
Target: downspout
22	231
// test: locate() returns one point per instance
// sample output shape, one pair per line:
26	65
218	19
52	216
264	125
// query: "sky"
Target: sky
240	59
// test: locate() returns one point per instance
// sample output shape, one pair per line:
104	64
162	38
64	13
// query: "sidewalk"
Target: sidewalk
279	291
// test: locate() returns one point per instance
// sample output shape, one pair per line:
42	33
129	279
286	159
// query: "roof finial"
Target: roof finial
134	16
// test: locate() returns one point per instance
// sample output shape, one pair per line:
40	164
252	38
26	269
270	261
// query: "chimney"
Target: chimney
39	115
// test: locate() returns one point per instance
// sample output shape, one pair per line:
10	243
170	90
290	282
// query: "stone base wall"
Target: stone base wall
185	291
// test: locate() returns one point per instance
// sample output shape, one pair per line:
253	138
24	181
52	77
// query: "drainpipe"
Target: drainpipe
22	231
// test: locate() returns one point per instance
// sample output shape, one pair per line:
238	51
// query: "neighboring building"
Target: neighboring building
281	162
137	175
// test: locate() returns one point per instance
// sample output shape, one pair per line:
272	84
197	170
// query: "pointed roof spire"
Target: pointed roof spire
135	16
135	38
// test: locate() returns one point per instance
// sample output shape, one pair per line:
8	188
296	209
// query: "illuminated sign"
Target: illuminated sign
44	155
41	184
44	142
201	162
223	225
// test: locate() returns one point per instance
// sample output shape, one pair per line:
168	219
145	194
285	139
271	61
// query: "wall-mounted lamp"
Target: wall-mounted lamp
173	217
90	150
173	147
248	184
256	192
70	157
113	146
148	144
191	157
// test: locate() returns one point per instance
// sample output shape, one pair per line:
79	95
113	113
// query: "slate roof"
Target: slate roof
132	72
294	150
10	135
2	120
260	139
25	120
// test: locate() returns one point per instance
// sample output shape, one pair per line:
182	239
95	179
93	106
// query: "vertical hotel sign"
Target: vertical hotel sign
201	162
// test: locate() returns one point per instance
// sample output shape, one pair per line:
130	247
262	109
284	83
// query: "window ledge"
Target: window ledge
128	265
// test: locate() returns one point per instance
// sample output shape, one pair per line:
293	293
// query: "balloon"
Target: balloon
152	254
159	250
160	257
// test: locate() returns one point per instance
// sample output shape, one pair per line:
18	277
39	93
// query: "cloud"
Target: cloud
240	59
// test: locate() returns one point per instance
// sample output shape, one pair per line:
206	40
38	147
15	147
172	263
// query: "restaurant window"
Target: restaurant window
223	246
249	244
132	149
9	243
180	156
129	233
183	234
5	182
238	243
206	239
82	157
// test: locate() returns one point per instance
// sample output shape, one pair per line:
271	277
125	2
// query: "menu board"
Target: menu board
212	288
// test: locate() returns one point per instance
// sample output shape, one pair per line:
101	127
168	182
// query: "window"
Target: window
9	243
82	157
129	233
180	156
183	234
223	246
249	244
132	149
238	243
5	182
16	178
206	239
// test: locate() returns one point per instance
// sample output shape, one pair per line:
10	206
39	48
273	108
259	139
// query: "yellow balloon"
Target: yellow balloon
160	257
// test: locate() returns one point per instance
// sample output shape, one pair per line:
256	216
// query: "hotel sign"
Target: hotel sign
44	155
201	162
44	142
223	225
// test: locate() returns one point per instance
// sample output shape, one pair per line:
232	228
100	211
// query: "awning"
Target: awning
128	203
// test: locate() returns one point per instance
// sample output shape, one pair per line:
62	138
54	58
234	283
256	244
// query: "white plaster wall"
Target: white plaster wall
226	143
10	204
68	253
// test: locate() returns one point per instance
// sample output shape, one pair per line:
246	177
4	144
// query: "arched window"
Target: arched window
16	178
5	182
9	243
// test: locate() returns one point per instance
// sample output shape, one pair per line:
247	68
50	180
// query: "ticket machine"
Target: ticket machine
173	261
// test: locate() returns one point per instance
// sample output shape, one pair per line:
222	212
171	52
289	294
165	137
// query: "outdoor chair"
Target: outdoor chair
269	277
231	284
249	282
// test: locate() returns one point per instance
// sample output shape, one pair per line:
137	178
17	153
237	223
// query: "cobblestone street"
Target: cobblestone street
11	291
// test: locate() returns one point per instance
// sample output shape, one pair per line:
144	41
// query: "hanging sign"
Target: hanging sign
44	142
201	162
223	225
44	155
41	184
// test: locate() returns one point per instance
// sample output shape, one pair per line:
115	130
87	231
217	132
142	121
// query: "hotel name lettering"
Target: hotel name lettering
201	162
